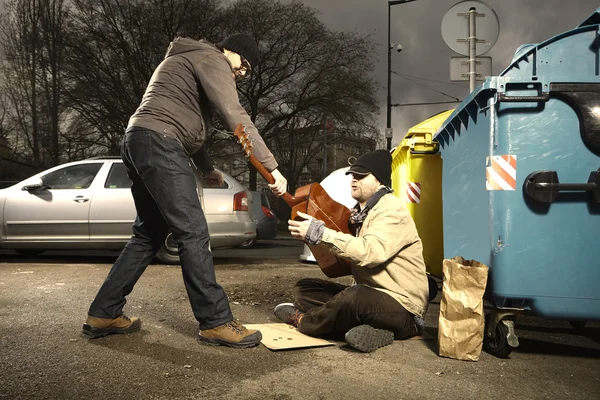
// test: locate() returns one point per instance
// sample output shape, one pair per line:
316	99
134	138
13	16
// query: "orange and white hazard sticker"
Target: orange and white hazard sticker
501	173
413	192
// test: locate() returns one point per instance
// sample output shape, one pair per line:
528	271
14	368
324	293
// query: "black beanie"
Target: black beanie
378	163
244	45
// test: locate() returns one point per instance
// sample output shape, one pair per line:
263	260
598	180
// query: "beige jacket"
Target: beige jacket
387	255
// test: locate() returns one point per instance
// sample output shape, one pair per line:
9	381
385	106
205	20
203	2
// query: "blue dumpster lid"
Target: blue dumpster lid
525	51
478	99
471	105
593	19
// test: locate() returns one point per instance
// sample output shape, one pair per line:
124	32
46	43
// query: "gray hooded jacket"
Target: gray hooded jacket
194	79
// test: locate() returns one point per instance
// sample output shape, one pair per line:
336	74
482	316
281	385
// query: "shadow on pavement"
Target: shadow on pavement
532	346
433	343
218	357
108	258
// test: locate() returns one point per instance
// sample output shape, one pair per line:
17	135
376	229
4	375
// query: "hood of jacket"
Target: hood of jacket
183	45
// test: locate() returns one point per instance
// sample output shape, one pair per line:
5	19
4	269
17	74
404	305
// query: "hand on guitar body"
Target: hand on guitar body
310	229
279	187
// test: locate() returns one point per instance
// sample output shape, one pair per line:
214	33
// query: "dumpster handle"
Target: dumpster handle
543	186
523	99
424	151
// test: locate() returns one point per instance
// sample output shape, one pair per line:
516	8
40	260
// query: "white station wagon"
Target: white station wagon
88	205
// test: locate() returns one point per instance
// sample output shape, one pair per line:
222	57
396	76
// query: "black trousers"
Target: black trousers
165	196
333	309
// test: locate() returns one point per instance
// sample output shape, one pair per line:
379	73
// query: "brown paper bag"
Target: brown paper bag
462	320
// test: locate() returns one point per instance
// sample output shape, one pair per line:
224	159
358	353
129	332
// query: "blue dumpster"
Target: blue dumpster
521	183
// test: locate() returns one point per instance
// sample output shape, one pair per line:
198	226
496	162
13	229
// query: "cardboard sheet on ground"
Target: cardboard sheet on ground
286	337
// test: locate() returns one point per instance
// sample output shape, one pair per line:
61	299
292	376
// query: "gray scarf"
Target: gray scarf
358	216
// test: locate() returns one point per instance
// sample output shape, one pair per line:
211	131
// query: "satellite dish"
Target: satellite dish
455	27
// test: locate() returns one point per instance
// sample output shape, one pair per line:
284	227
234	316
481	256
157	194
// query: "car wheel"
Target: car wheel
29	252
168	253
248	244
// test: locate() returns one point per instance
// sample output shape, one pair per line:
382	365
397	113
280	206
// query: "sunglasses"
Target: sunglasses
358	177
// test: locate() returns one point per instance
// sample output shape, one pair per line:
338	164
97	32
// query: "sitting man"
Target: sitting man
390	293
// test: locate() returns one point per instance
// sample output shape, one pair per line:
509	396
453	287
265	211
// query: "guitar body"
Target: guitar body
319	205
312	200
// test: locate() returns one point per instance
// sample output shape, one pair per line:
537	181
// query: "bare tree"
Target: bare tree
53	15
114	47
31	39
76	70
307	73
20	44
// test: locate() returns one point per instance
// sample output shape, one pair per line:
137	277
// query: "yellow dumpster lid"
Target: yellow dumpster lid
419	138
430	125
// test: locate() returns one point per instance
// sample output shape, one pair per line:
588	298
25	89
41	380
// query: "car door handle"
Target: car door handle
80	199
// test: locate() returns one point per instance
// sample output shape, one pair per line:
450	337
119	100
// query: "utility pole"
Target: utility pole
389	133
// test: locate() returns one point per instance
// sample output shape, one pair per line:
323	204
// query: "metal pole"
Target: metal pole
325	150
389	80
472	48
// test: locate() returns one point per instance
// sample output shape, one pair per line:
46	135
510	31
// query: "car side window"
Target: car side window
117	177
209	184
78	176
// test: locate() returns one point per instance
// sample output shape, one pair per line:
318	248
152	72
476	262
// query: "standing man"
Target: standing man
390	294
170	126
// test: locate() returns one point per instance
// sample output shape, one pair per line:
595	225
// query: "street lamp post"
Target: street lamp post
388	132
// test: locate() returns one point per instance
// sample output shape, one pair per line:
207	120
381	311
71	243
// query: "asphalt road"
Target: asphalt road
43	303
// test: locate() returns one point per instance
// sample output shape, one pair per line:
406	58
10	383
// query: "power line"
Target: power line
425	104
427	79
426	87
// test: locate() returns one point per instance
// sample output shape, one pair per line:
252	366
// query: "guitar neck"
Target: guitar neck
288	198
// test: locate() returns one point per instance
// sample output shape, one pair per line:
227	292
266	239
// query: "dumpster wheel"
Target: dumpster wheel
497	343
578	324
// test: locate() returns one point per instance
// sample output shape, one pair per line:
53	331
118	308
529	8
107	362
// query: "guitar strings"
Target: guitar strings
226	133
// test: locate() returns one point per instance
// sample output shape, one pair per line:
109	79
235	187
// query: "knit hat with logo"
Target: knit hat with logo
378	163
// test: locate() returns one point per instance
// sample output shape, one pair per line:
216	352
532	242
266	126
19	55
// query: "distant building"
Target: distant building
338	151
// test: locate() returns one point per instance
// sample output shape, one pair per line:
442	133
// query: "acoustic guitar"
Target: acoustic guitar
313	200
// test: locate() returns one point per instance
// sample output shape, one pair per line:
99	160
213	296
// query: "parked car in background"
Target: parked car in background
88	205
266	221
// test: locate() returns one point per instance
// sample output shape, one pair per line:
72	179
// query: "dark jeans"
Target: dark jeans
164	191
332	308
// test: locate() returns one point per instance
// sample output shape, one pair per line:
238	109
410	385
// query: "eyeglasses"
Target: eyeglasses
245	64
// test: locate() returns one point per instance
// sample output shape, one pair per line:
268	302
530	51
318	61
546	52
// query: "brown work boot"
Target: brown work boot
232	334
98	327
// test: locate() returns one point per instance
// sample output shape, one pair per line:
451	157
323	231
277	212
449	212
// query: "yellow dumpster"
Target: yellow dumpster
417	179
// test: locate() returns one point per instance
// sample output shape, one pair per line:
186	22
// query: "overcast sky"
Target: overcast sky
417	26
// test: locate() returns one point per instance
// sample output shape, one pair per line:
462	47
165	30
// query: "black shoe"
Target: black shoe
365	338
288	313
